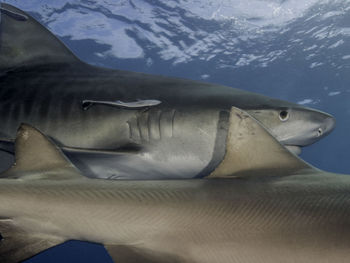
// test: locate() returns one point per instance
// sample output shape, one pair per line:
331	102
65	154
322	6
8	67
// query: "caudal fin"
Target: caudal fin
24	41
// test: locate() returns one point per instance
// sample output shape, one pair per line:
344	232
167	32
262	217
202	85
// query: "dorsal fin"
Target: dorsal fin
252	151
24	41
36	157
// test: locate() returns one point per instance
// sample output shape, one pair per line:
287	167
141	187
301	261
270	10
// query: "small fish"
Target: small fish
135	105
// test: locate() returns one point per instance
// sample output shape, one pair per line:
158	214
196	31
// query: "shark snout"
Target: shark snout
327	125
309	131
320	124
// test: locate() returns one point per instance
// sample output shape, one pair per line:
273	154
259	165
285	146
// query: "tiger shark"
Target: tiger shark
262	204
127	125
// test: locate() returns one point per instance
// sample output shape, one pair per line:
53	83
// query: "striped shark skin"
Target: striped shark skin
261	205
127	125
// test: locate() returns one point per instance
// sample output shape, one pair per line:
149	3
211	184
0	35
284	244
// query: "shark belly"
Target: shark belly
170	143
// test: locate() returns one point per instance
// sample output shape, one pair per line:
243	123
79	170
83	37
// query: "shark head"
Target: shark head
295	126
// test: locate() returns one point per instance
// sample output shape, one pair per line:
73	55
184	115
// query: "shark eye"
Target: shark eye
319	132
284	115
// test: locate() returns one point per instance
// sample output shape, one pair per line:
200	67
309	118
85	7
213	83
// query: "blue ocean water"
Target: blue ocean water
297	50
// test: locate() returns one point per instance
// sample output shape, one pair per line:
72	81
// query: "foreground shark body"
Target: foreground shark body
277	209
128	125
280	220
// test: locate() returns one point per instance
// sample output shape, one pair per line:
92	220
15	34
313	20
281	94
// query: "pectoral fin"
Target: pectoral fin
252	151
130	254
17	245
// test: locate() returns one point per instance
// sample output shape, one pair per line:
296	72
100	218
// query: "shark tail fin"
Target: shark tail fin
37	157
252	151
24	41
17	245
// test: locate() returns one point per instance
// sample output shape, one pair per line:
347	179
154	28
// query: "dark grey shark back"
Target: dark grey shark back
24	41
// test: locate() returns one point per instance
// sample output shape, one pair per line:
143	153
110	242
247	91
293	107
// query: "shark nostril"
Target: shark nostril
319	132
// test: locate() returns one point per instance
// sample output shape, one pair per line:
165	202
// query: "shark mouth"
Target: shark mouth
294	149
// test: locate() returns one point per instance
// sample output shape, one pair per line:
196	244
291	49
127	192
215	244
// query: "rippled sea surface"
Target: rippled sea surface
297	50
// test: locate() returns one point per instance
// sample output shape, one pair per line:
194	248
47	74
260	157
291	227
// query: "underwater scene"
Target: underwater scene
294	50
